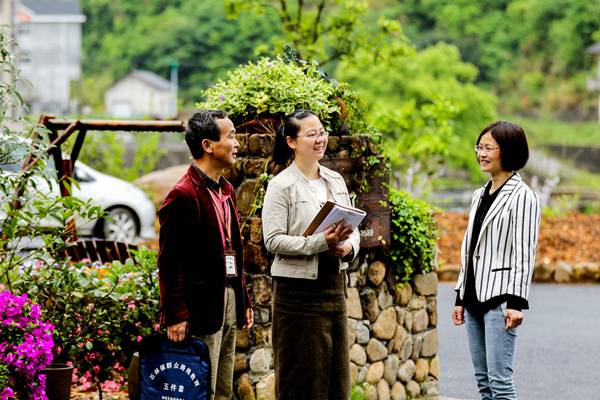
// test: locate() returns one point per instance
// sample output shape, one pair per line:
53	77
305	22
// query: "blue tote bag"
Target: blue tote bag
174	371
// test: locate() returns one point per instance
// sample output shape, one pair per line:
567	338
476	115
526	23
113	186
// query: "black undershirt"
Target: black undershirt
470	297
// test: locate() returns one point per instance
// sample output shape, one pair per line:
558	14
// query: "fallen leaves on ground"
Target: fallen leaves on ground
573	238
78	394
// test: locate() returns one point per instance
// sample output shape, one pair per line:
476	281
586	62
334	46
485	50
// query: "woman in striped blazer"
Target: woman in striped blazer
497	258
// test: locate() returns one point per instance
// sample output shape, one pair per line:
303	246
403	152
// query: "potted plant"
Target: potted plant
259	94
25	348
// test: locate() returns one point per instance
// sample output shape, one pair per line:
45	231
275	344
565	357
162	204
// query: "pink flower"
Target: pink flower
86	385
26	346
110	386
118	367
7	393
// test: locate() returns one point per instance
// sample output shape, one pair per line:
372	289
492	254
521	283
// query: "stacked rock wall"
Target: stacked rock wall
392	331
393	335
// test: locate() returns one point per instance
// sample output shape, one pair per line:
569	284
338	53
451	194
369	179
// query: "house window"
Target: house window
23	29
24	57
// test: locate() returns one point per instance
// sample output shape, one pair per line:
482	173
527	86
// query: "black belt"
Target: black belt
229	282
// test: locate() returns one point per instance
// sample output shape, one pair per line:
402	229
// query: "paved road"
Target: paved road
558	347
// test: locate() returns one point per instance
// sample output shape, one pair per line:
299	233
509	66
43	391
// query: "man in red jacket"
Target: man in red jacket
202	285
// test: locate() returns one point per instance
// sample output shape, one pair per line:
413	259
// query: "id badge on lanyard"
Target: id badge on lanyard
230	265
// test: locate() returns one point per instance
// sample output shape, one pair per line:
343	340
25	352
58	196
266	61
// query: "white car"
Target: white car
130	213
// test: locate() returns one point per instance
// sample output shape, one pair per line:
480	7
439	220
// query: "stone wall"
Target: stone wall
392	331
393	335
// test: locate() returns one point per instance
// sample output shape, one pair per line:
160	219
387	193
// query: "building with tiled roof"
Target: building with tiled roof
48	33
141	94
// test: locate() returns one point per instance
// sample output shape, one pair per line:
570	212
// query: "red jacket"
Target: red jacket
191	259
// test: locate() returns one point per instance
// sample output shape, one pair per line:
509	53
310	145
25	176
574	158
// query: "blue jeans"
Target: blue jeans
492	349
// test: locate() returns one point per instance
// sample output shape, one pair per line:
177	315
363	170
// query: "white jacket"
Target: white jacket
504	256
289	207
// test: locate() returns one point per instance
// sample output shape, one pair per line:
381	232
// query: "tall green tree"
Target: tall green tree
325	30
153	34
428	107
531	52
424	102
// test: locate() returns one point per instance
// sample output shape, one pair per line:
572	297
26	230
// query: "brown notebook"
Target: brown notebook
333	213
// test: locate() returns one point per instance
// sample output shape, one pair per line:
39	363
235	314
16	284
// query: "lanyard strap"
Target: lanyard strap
223	215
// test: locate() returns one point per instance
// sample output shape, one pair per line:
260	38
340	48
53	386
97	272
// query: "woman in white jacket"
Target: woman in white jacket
310	337
497	258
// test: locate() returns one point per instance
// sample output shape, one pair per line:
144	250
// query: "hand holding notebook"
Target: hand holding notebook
333	213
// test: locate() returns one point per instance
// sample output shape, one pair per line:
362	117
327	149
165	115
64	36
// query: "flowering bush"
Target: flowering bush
101	312
25	348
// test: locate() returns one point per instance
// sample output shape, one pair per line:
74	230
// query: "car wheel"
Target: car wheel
120	225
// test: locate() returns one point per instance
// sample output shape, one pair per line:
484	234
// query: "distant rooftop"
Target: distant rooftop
151	79
53	7
594	49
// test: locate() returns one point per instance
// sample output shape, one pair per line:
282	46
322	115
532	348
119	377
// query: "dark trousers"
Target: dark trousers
310	337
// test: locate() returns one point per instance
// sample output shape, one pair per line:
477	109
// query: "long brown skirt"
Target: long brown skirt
310	336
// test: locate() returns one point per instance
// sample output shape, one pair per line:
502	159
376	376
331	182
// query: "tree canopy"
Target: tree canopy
120	36
325	30
530	52
432	72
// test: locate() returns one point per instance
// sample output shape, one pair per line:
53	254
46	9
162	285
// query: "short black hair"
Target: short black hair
511	138
291	125
200	126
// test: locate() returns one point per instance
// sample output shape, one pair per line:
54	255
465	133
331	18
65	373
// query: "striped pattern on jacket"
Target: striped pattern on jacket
504	255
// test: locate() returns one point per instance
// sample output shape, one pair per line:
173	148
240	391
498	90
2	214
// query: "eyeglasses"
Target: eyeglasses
315	135
486	150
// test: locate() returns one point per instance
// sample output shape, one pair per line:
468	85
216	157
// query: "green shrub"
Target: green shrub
272	88
414	235
357	393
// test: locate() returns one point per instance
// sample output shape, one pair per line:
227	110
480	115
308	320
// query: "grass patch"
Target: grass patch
545	130
585	179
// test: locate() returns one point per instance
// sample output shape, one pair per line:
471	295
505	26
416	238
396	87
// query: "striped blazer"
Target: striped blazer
504	255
